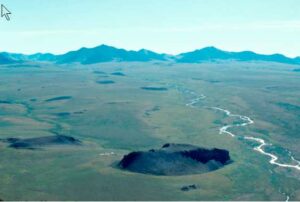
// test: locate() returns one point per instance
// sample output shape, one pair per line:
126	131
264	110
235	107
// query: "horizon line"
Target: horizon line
158	52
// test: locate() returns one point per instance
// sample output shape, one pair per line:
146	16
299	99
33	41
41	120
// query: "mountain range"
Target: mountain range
104	53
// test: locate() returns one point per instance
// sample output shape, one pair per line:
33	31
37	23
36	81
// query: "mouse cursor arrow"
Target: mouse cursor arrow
5	12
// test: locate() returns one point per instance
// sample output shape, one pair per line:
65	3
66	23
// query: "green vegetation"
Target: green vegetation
113	120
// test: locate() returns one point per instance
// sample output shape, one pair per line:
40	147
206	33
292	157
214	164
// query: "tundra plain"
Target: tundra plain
118	107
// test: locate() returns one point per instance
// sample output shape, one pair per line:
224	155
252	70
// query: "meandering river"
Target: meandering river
245	121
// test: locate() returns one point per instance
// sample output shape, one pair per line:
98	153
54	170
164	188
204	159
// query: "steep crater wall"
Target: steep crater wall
175	159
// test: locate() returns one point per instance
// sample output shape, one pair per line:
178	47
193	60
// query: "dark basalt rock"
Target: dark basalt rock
154	88
37	142
33	100
63	114
148	112
5	102
79	112
189	187
203	156
118	74
129	159
166	145
106	82
99	72
59	98
175	159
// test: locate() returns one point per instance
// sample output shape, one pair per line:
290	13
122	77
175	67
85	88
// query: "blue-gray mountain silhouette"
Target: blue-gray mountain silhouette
214	54
4	59
104	53
47	57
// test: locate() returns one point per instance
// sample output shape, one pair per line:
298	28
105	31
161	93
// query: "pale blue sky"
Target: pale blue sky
171	26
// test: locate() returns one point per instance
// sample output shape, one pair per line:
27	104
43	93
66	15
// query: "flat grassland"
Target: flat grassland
116	108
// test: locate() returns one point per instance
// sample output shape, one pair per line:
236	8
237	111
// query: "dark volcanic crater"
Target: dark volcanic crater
38	142
175	159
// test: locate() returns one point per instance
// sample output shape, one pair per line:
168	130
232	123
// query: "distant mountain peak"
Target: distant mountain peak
144	50
5	59
214	54
106	53
210	48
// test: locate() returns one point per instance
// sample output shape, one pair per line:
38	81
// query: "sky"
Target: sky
164	26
